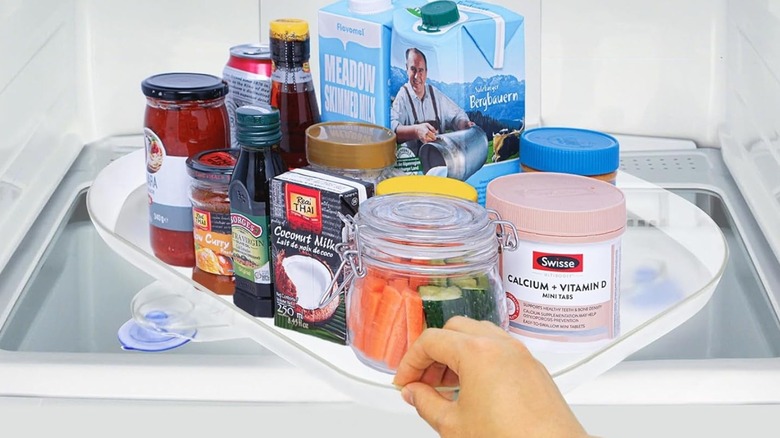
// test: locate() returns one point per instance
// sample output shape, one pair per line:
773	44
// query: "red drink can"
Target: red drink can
248	74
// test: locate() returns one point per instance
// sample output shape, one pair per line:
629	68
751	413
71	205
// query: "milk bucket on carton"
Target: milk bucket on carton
457	90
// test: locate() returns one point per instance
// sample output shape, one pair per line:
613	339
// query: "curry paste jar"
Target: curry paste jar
416	261
185	114
570	150
210	173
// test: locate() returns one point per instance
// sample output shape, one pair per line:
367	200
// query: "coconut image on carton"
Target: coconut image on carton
457	90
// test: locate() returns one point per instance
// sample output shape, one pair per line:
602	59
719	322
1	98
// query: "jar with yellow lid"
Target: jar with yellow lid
570	150
351	149
427	184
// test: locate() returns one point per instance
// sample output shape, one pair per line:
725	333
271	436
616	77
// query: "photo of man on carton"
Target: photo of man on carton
457	90
420	112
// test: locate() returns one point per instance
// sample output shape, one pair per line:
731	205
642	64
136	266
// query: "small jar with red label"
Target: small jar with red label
210	173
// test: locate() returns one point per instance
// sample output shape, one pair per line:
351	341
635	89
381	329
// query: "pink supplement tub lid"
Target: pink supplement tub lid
559	208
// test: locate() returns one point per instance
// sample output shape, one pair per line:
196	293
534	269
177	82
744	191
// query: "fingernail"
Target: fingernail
407	395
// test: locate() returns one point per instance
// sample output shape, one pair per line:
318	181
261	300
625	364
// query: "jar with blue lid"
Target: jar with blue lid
570	150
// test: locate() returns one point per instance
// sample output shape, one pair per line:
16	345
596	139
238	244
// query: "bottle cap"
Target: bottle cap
350	145
365	7
438	14
258	126
429	184
290	45
569	150
290	29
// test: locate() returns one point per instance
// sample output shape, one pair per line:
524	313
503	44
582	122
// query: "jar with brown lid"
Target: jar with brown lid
355	150
210	173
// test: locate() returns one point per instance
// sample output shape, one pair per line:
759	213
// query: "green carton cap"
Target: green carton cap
438	14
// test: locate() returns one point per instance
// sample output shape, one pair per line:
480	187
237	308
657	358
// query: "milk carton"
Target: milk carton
354	51
457	90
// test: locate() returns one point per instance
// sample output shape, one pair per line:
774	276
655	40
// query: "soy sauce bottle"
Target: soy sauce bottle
292	87
258	134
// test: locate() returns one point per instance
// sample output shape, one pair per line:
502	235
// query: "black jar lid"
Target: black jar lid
184	86
214	166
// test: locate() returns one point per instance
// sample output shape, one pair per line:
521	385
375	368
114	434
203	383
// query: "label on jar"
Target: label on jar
167	184
213	241
250	247
563	292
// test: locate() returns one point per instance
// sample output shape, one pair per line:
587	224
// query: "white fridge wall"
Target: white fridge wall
751	133
635	67
131	40
38	107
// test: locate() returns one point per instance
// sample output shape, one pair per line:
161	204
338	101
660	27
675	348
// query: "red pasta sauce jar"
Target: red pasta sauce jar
185	115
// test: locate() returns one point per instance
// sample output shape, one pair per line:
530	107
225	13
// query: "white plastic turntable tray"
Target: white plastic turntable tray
667	236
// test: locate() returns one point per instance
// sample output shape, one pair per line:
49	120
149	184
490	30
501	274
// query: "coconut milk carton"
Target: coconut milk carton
354	56
305	228
457	90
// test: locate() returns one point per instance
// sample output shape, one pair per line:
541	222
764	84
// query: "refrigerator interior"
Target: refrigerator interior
691	87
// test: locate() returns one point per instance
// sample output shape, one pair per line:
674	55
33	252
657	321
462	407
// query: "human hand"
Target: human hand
425	132
504	390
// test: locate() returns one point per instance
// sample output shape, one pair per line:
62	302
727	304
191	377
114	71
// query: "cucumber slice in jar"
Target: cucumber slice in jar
441	303
463	282
481	305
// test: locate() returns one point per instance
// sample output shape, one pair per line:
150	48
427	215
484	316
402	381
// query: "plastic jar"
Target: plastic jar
570	150
185	114
563	281
210	173
353	150
429	184
418	260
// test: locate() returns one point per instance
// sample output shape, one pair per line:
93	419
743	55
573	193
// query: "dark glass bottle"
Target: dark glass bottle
258	134
292	87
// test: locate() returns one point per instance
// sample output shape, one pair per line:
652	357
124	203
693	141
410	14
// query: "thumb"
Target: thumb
430	404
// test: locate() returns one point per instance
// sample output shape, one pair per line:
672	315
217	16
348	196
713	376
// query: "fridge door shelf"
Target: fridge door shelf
673	258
